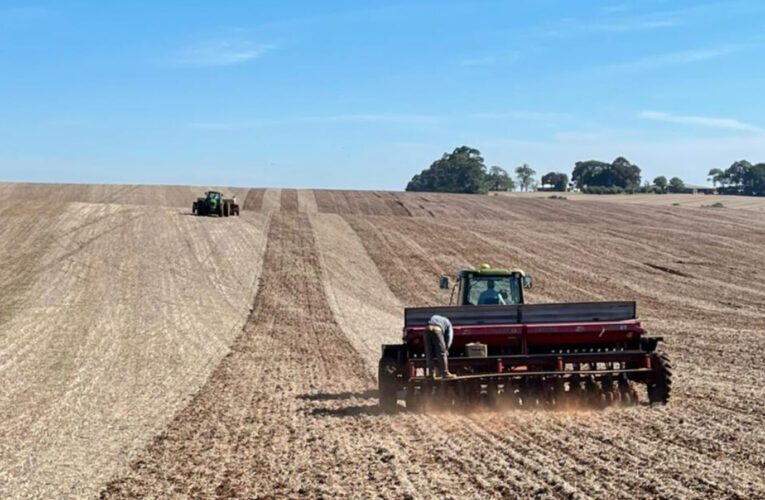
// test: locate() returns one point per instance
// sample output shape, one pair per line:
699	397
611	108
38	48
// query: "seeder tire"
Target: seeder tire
659	390
386	391
414	399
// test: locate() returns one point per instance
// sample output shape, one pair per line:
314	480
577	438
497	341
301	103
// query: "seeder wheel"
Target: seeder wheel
414	399
661	386
387	388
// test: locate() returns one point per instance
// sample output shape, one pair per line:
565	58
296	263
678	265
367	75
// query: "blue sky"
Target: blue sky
362	94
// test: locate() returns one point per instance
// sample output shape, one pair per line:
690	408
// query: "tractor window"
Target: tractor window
485	291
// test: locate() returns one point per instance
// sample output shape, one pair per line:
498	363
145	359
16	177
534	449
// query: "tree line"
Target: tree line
740	178
464	171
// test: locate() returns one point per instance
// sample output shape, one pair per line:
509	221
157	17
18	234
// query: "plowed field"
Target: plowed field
754	203
147	353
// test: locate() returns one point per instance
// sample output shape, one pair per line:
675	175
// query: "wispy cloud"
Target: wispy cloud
478	61
537	116
24	15
220	53
370	118
64	123
700	121
681	57
620	7
608	24
233	125
373	118
23	11
625	17
491	60
623	26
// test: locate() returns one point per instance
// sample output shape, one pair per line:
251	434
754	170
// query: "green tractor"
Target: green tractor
213	203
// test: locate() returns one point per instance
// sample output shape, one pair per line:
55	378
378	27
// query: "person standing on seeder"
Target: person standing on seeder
438	338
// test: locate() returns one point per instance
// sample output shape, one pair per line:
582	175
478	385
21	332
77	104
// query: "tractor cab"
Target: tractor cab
488	286
213	198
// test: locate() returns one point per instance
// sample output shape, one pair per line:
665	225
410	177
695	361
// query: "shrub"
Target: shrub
714	205
608	189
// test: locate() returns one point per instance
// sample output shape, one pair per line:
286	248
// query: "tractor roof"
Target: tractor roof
487	270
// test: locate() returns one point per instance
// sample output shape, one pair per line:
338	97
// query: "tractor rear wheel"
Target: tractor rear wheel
194	208
225	209
660	388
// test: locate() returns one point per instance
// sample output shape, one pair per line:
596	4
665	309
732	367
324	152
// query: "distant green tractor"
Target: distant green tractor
213	203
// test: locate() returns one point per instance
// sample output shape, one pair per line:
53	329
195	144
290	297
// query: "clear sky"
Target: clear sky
362	94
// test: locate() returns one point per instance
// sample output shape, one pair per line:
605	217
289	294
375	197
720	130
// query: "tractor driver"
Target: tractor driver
438	338
490	296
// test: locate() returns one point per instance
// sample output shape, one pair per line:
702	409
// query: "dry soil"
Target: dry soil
148	353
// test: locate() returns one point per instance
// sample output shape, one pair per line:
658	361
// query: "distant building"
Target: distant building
694	189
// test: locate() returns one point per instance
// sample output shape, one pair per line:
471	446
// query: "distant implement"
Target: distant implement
213	203
506	353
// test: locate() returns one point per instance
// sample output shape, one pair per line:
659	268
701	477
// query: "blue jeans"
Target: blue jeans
435	352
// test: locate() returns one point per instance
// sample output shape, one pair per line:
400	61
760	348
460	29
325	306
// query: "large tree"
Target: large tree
740	178
661	183
717	176
620	173
499	180
754	180
590	173
676	184
736	173
625	174
461	171
558	180
525	175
